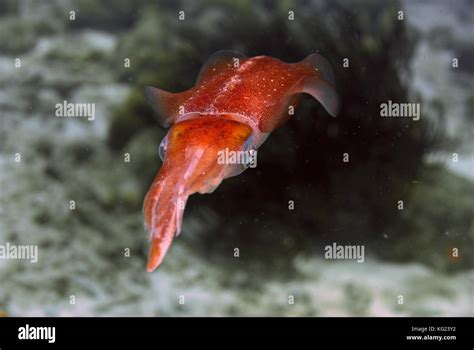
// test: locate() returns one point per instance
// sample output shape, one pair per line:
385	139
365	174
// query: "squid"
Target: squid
235	104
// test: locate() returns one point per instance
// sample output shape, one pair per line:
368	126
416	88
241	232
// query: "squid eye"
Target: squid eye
248	145
250	150
250	158
162	149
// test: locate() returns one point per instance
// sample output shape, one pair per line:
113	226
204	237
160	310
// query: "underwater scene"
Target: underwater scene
236	158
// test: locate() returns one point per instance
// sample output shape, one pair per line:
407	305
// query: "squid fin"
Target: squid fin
322	91
166	104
